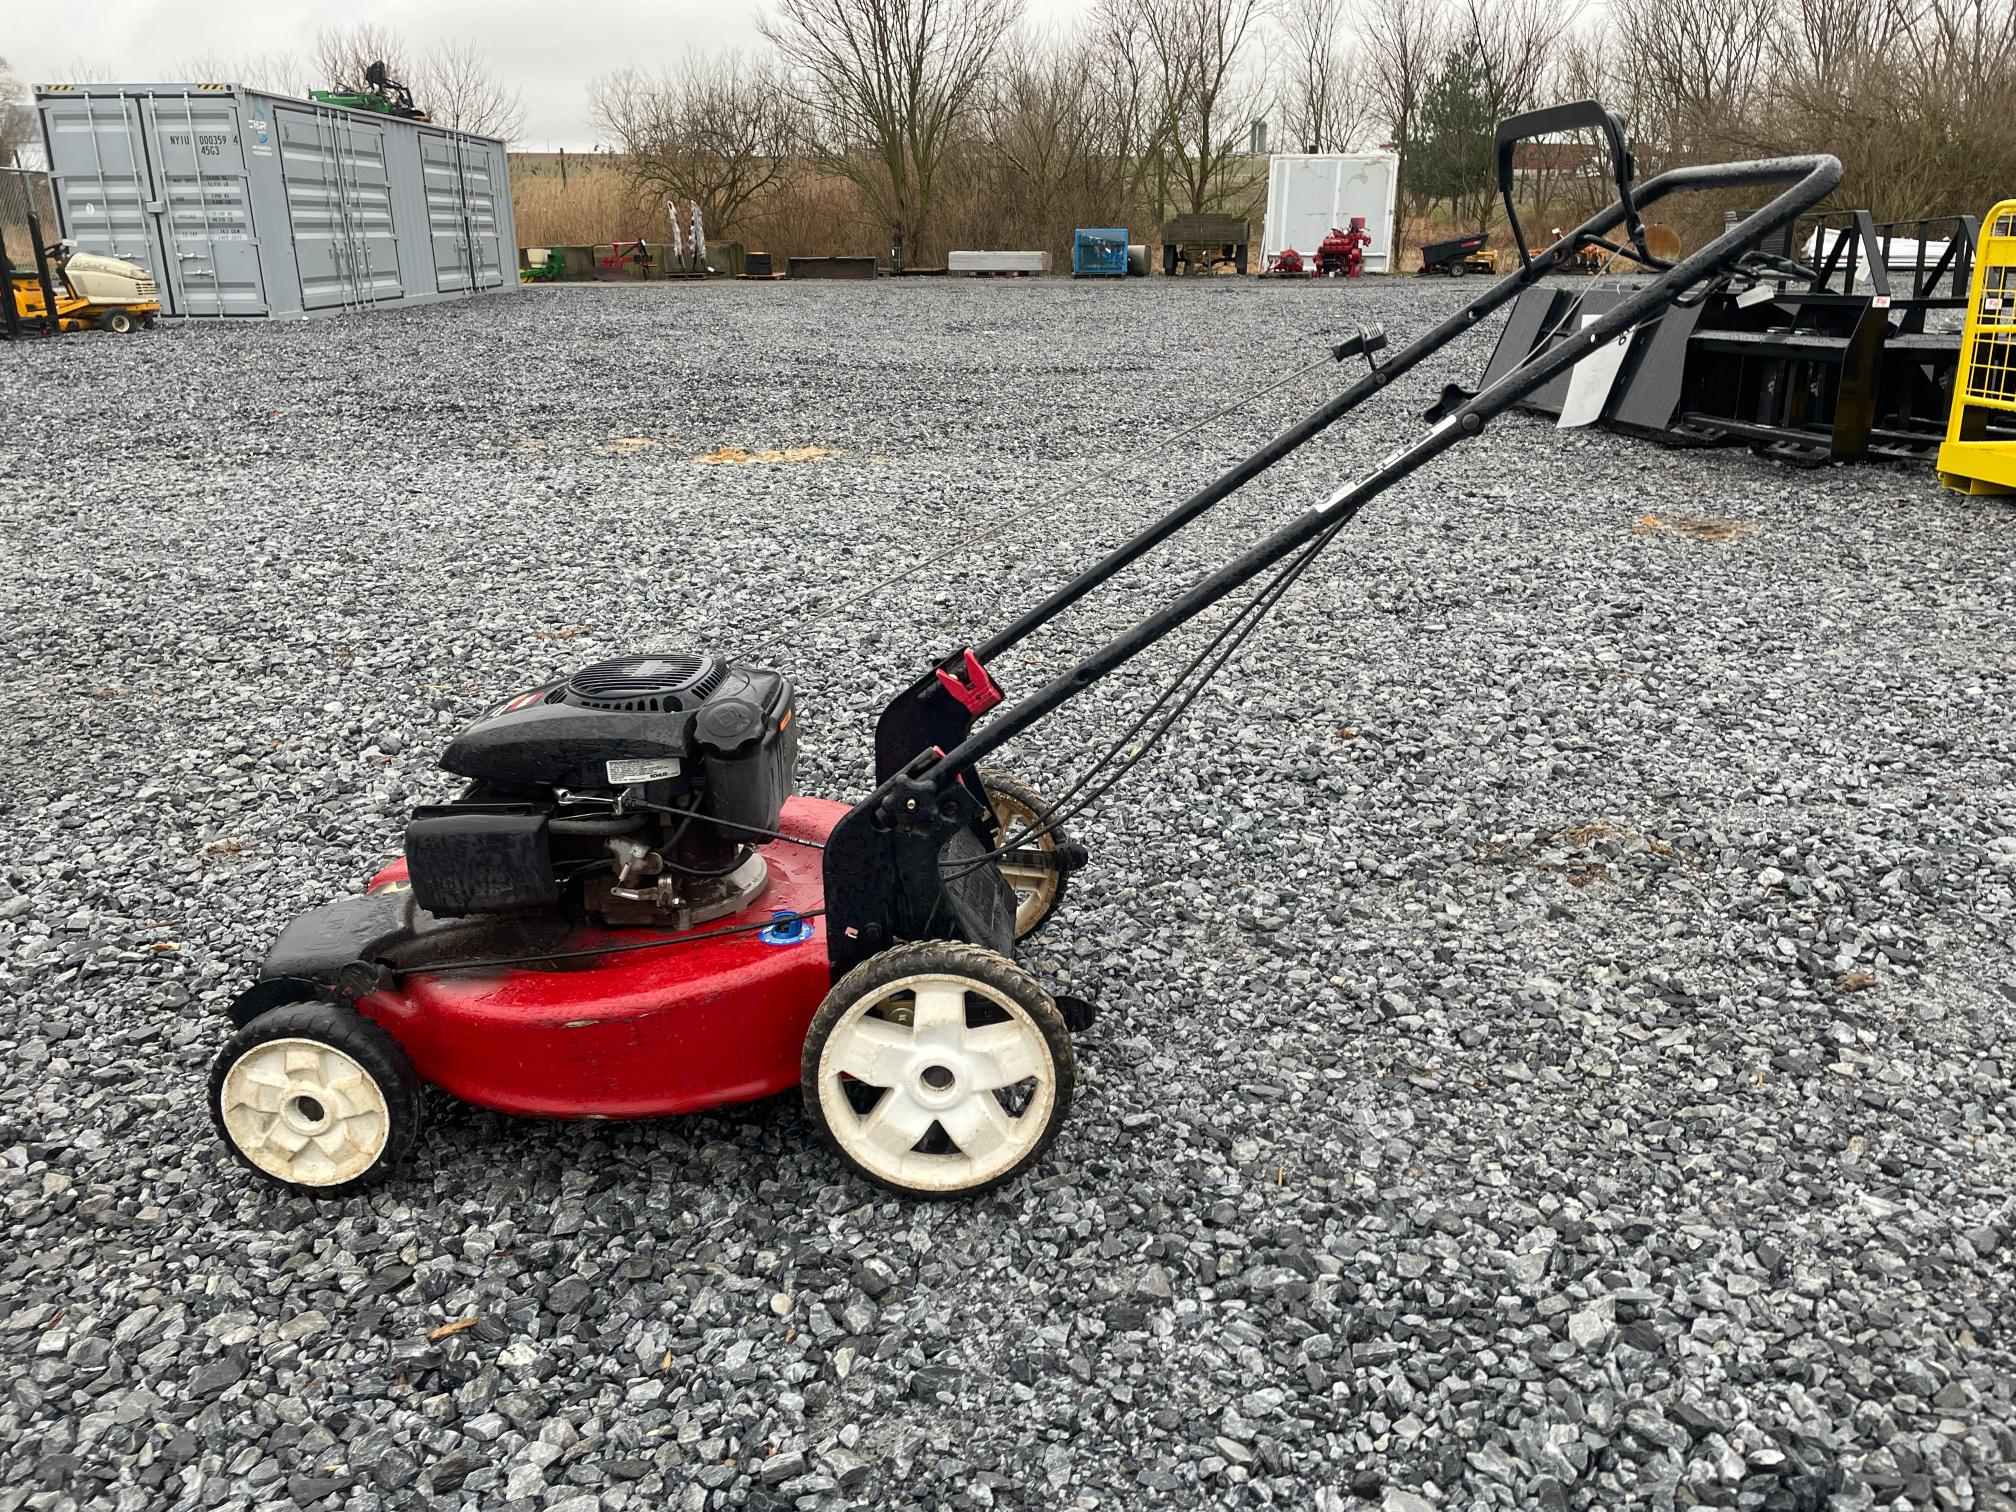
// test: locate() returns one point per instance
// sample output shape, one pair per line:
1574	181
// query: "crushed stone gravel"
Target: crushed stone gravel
1557	985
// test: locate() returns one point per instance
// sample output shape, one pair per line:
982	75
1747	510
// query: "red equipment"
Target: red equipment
631	258
627	910
1287	263
642	1032
1343	252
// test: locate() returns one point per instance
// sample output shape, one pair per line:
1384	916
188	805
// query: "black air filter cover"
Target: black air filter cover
665	682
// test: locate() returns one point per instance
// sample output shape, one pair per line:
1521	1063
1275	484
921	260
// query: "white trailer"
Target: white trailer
1310	194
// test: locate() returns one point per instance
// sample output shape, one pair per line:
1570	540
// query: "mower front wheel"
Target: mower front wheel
1038	888
317	1098
938	1069
118	322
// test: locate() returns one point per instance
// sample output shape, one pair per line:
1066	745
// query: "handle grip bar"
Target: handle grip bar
1576	115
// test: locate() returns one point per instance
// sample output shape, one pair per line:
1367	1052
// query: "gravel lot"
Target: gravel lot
1557	995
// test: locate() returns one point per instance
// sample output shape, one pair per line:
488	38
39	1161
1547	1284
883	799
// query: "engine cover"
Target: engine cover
678	717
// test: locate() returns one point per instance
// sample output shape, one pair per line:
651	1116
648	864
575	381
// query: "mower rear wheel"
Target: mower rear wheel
1038	889
938	1069
118	322
317	1098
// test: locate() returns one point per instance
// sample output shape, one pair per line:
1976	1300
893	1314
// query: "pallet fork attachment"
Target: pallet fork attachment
906	863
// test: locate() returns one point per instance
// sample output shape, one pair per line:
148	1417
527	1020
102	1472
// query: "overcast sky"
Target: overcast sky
548	50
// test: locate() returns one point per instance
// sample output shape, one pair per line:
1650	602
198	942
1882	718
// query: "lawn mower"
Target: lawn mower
630	912
85	291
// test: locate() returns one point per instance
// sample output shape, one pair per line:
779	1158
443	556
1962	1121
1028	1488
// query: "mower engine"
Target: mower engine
627	795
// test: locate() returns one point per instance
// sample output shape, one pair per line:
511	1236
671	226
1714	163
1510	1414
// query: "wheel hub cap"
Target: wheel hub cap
938	1102
305	1112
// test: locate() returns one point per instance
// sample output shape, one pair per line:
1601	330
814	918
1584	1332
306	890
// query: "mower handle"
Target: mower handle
1576	115
1809	179
886	861
922	716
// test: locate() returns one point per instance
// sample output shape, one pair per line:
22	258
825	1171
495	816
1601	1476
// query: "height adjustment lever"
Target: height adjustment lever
977	694
1369	339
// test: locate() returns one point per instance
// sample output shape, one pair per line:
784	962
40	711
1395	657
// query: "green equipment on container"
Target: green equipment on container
381	92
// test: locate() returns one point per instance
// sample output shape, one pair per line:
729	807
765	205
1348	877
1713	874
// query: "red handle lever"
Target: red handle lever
977	694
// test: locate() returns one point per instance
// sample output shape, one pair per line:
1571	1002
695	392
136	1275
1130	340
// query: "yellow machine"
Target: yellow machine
92	292
1979	453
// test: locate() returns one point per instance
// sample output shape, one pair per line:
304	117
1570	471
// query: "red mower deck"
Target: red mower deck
637	1034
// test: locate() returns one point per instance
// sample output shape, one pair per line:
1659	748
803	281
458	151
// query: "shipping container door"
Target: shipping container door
311	173
442	176
368	193
206	215
339	205
1310	204
102	181
479	192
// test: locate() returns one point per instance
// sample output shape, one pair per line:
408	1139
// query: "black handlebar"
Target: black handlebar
1576	115
1809	179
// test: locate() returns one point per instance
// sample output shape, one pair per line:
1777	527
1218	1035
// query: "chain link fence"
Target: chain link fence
24	192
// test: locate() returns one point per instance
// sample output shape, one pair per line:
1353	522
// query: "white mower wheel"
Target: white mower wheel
938	1069
1038	890
317	1098
118	322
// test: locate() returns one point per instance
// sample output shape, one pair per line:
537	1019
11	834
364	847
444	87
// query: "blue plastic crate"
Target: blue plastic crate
1099	252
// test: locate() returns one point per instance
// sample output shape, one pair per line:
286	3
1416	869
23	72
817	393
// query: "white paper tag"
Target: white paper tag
1590	379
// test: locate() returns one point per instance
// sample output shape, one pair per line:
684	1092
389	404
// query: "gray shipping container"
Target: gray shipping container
249	204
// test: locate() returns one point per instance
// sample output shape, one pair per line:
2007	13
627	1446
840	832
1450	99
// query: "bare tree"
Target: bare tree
888	85
1914	97
1507	49
1404	44
715	129
1323	98
276	73
1132	112
461	91
1516	43
1047	125
342	53
17	116
1697	67
1208	97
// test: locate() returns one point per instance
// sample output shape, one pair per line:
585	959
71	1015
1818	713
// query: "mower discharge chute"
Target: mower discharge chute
630	912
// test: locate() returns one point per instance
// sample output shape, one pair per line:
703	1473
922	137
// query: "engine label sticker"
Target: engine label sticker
651	769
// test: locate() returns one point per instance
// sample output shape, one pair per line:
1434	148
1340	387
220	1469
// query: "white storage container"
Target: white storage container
1310	194
998	262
